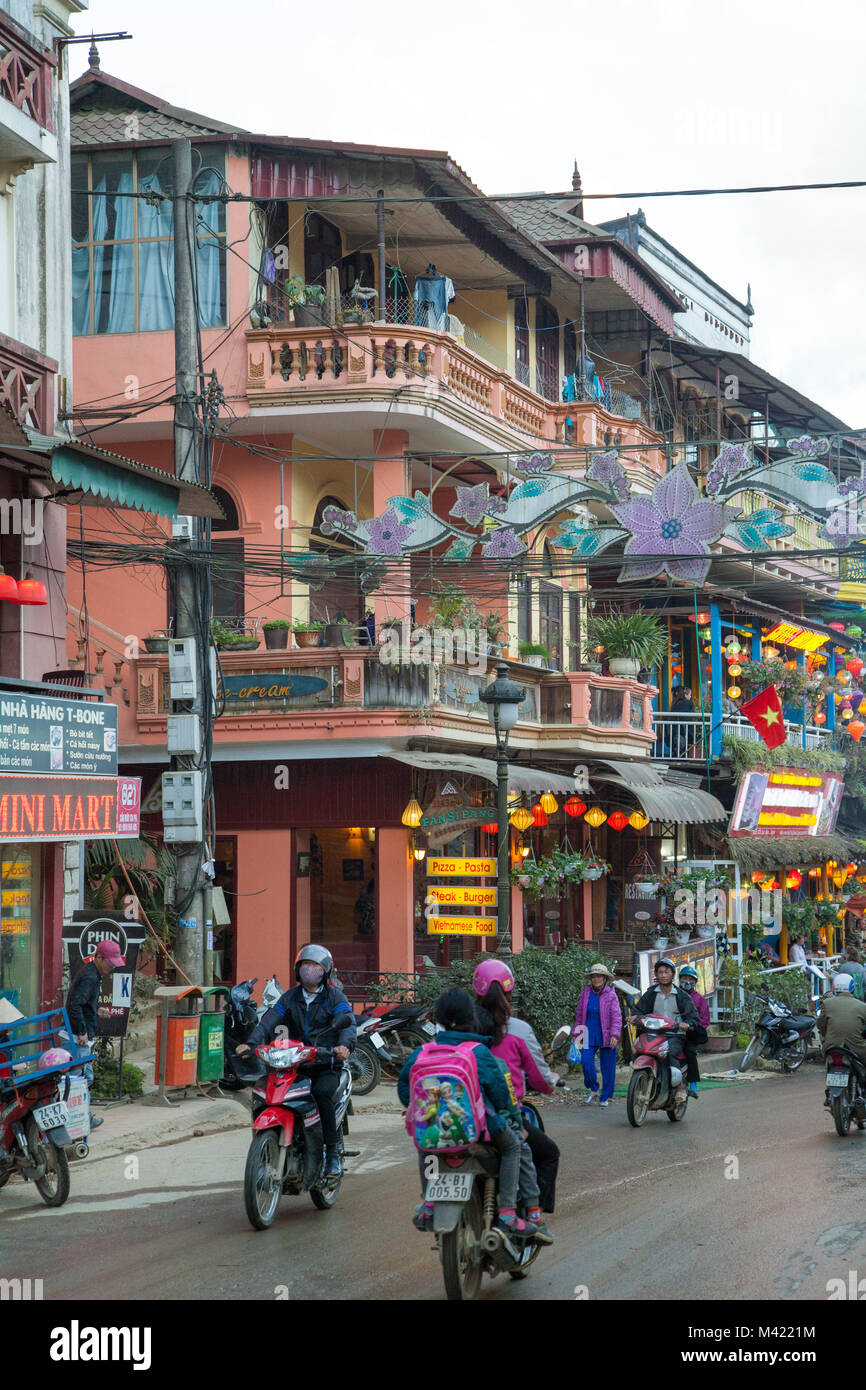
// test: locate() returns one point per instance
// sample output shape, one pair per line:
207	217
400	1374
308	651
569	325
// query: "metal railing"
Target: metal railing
681	737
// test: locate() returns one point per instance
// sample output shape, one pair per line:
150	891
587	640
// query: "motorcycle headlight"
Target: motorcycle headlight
283	1057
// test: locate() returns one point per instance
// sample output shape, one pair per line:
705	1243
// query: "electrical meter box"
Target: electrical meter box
182	668
182	528
181	806
184	735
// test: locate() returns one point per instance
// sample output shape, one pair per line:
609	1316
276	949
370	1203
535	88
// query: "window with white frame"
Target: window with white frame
122	253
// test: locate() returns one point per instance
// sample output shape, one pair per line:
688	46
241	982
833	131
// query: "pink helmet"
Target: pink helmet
55	1057
490	971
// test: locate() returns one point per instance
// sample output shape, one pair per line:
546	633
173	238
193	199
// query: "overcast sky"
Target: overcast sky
645	94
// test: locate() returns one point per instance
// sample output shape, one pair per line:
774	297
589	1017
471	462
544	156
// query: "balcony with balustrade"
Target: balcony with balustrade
684	738
26	96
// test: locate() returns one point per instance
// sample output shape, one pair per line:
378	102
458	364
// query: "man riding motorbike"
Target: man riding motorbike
313	1012
841	1021
669	1001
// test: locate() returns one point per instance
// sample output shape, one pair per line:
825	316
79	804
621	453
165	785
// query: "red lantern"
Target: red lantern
855	729
8	587
490	829
794	879
820	717
617	821
574	806
32	590
700	618
539	815
855	666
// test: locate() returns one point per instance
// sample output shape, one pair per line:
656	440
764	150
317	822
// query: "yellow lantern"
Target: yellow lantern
412	815
638	820
524	851
843	677
595	816
838	879
549	803
735	670
420	852
770	653
734	692
521	819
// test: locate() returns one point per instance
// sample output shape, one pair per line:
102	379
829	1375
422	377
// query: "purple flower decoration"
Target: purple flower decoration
534	463
386	533
473	503
850	485
607	469
675	521
808	447
733	459
503	545
334	519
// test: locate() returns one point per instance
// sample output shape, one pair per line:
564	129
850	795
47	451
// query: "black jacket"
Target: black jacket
688	1012
314	1025
81	1002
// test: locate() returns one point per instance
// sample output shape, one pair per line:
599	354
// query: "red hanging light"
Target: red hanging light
574	806
491	829
700	618
8	586
855	666
539	815
617	821
32	590
794	879
855	729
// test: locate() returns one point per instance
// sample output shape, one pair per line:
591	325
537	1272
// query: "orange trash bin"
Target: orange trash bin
182	1051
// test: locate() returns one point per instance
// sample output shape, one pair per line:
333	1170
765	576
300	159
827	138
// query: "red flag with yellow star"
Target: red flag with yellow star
765	712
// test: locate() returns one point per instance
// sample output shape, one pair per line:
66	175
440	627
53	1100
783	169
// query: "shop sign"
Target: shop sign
455	816
454	895
790	635
263	687
787	801
461	926
39	735
455	868
68	808
81	939
701	954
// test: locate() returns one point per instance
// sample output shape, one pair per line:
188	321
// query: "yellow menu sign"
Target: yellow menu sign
461	895
461	926
457	867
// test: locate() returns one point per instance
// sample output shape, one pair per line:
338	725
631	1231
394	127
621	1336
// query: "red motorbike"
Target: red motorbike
287	1153
33	1115
657	1081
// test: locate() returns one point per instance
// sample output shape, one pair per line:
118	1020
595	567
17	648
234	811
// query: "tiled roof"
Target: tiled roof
549	220
108	126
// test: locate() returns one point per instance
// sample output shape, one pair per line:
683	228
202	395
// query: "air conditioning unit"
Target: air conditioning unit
183	668
181	806
184	735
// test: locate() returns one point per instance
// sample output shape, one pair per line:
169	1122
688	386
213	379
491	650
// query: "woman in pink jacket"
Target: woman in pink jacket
597	1028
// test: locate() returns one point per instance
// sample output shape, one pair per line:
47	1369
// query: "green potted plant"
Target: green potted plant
308	632
276	632
534	654
633	641
232	639
497	633
305	301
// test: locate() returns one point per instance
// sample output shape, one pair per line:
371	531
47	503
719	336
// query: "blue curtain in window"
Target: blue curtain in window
121	301
209	253
81	289
155	263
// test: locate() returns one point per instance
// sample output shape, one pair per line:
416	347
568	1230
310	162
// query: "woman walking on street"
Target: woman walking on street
597	1028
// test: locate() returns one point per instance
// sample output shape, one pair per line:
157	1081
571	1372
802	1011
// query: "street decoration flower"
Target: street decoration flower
675	526
473	503
503	544
533	463
607	470
732	459
386	533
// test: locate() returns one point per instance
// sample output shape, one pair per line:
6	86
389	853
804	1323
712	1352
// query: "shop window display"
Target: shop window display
20	919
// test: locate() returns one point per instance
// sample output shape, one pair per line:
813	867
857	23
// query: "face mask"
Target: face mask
311	976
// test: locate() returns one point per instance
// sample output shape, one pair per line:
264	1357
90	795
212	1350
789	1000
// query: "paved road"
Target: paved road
752	1196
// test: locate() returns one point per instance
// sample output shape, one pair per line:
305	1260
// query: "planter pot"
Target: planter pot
536	661
333	635
683	937
623	666
720	1042
593	874
156	645
308	316
659	942
276	638
648	889
308	637
244	644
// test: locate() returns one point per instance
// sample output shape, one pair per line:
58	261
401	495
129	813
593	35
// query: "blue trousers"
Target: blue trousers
608	1070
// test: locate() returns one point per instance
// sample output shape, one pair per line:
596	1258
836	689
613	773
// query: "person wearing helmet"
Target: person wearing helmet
668	1000
314	1011
508	1039
688	981
842	1020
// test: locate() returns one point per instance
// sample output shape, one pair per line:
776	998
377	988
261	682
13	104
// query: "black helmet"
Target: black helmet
316	955
665	960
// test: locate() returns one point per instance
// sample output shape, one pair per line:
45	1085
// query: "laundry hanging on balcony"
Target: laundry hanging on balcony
433	293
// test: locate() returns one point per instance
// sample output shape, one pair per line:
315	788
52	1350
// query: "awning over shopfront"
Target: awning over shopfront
662	798
520	779
771	852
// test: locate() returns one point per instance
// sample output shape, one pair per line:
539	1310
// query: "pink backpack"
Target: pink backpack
446	1105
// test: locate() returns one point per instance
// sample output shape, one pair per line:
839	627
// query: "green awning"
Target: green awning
105	479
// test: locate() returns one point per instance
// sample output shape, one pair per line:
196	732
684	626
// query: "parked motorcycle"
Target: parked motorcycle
287	1152
34	1117
846	1089
780	1035
241	1018
657	1081
470	1244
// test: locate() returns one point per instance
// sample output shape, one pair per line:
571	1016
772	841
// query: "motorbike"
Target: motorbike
657	1079
385	1038
470	1244
846	1089
34	1117
780	1035
287	1152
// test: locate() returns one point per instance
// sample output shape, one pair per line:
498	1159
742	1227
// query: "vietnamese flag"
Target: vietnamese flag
765	712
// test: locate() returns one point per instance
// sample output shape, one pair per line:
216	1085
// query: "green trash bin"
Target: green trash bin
211	1039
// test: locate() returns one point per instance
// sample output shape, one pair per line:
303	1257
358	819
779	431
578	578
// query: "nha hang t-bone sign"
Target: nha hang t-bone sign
669	531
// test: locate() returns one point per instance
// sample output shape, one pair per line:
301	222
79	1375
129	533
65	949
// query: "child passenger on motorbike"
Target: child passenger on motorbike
455	1014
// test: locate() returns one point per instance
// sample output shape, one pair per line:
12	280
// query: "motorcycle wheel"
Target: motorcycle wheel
535	1115
401	1044
366	1070
640	1090
53	1188
460	1250
751	1053
678	1111
261	1189
841	1115
325	1197
795	1056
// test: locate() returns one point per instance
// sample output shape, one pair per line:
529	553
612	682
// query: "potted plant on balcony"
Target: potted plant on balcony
632	641
305	302
232	639
157	642
534	654
497	633
276	634
308	632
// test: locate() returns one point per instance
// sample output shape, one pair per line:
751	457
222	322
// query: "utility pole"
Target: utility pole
189	892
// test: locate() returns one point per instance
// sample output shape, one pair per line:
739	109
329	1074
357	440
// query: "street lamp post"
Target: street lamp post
503	700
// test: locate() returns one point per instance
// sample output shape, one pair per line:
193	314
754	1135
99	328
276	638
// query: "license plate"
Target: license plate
51	1116
450	1187
837	1078
376	1040
429	1028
